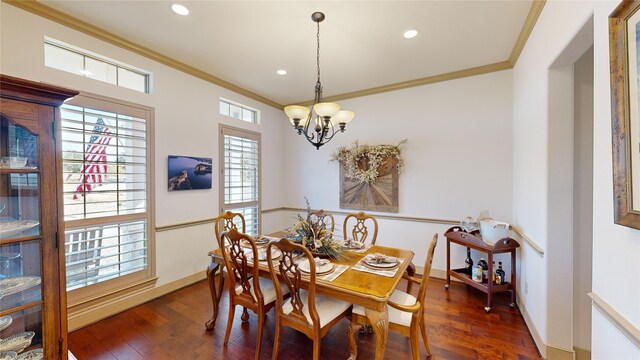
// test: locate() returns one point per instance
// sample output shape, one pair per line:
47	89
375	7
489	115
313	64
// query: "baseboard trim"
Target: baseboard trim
535	334
88	315
554	353
582	354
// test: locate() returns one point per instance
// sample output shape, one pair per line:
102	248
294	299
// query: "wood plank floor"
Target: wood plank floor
172	327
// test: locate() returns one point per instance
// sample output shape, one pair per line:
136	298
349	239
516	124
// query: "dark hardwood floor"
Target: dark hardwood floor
172	327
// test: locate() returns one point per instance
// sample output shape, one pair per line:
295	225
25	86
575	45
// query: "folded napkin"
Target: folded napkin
388	273
320	262
379	258
270	238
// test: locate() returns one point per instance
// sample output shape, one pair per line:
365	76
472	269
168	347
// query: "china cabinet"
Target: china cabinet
32	284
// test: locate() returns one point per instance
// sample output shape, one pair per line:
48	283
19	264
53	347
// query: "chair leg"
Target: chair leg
415	342
316	347
276	339
425	339
232	311
245	315
352	337
261	315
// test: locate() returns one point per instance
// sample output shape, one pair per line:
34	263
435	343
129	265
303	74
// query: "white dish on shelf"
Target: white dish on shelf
8	355
16	284
5	322
35	354
17	342
14	227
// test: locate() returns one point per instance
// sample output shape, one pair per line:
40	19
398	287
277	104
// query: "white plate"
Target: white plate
8	355
262	255
35	354
10	228
14	285
17	342
303	265
368	260
5	321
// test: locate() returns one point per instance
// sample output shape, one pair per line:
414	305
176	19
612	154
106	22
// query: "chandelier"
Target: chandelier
320	125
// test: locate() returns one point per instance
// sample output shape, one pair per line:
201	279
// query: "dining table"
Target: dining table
355	284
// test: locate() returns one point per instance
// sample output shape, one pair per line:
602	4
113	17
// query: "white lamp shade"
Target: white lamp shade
326	109
343	116
297	112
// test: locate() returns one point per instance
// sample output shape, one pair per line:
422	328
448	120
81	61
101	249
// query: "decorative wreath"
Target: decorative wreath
375	155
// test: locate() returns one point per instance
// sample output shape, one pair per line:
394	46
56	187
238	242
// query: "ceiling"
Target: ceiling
243	43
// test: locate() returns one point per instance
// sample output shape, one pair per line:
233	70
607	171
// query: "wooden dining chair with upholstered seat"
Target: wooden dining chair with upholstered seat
310	313
323	218
224	222
360	231
406	313
246	287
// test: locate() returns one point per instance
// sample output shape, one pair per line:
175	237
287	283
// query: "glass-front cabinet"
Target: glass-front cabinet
32	284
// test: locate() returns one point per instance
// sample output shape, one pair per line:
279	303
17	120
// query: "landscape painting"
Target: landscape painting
189	173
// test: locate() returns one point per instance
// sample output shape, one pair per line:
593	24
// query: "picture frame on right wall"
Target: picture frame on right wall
624	54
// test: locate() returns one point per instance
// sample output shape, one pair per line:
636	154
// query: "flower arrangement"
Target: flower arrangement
314	236
374	155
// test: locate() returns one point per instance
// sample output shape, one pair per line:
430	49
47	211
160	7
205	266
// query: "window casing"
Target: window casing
240	188
72	59
107	195
239	111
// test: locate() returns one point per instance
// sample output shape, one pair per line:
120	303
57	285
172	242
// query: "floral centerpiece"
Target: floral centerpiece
313	235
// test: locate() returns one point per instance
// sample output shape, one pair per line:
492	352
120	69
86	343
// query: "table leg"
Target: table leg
379	320
446	286
214	270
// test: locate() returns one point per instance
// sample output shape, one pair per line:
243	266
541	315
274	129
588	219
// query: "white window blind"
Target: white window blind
241	176
105	185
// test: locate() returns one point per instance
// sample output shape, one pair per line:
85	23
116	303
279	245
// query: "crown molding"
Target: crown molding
46	12
59	17
527	28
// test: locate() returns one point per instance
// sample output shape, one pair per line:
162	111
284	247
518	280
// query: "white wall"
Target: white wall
186	123
614	247
458	159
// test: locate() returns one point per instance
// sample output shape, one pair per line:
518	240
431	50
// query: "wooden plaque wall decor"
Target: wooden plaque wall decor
380	195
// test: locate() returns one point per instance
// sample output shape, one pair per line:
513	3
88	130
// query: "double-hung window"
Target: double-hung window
240	159
107	170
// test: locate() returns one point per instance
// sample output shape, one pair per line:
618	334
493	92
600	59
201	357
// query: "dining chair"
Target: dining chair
246	287
405	312
224	222
323	218
310	313
360	230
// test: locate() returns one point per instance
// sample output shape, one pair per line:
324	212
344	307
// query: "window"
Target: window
69	58
106	161
240	161
234	110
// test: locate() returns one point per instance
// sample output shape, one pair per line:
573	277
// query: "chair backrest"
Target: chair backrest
289	274
427	269
360	231
228	221
236	260
323	218
83	250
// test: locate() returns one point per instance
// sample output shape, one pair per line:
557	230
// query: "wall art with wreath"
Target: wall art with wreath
369	176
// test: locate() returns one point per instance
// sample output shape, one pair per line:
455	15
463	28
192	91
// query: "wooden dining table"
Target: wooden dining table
372	291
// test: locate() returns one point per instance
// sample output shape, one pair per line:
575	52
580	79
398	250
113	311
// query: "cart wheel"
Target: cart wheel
487	308
512	305
446	286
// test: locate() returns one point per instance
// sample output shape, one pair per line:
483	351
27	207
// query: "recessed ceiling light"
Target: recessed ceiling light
410	34
180	9
281	72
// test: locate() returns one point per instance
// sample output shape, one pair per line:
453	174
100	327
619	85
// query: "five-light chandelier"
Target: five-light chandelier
328	120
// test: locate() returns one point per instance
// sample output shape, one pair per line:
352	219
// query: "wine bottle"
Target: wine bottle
468	262
493	273
485	267
500	274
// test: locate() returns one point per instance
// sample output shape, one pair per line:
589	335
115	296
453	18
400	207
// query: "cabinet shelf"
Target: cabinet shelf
472	240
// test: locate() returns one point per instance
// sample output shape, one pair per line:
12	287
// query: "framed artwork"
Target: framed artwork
189	173
624	48
381	195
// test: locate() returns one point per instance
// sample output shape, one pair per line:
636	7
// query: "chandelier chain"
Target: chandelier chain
318	50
